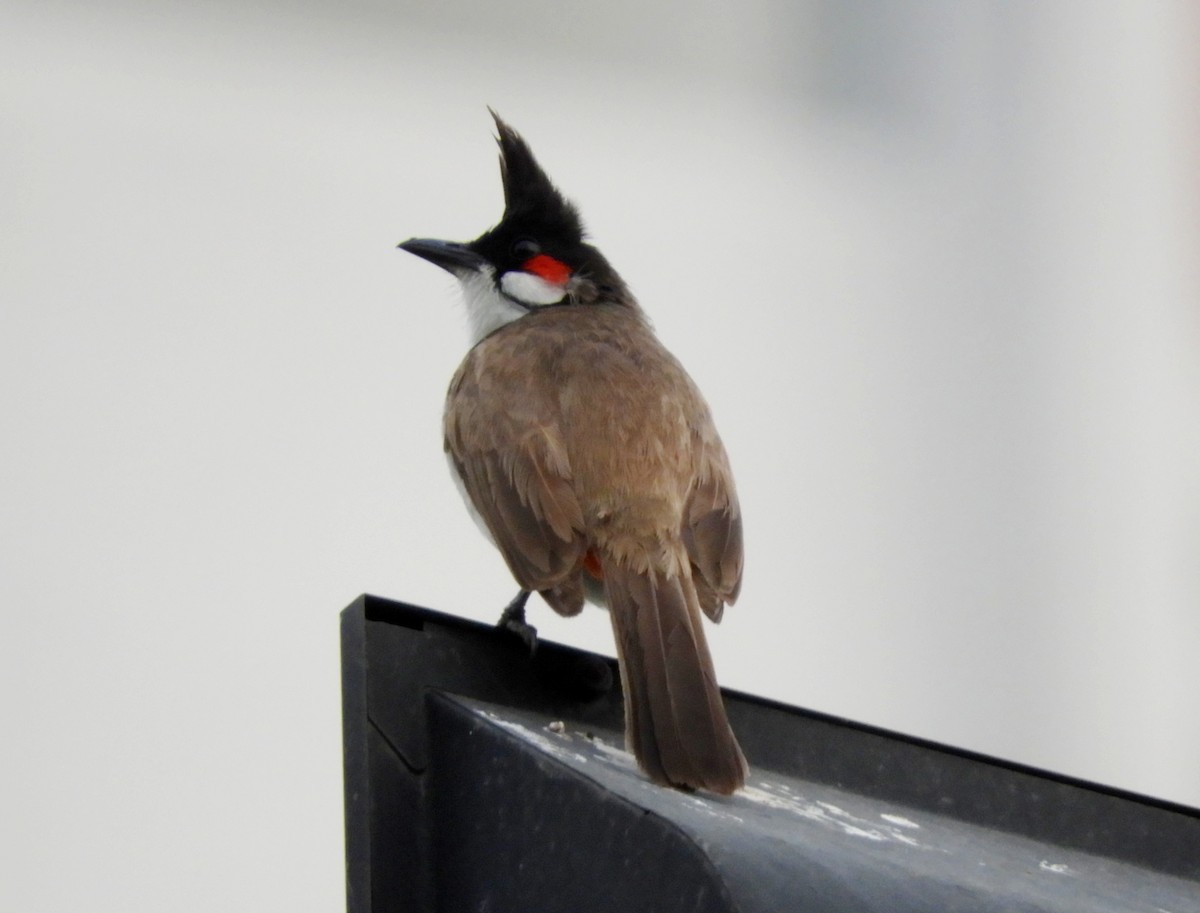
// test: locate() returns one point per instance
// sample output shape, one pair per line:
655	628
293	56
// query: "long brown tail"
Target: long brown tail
675	720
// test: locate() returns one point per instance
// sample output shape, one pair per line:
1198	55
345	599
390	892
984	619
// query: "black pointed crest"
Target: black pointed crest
528	192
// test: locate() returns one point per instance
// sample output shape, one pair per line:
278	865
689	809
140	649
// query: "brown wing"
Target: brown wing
517	475
712	533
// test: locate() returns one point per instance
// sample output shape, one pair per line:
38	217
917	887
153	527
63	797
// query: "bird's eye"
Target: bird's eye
525	248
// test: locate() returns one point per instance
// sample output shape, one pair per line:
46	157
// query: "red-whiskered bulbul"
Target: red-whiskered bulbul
591	460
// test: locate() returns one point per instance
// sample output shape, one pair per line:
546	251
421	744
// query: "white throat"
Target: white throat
488	308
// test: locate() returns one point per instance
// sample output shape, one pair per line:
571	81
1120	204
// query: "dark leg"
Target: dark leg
513	619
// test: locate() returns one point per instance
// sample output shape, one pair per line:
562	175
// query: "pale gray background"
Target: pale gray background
934	265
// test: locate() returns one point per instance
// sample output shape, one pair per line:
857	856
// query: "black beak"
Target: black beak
450	256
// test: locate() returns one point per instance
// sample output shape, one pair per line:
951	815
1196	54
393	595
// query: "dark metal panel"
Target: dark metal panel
836	816
514	830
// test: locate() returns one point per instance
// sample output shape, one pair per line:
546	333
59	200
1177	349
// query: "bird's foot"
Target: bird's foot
512	619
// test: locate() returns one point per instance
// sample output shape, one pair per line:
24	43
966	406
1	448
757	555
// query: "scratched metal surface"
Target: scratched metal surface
453	732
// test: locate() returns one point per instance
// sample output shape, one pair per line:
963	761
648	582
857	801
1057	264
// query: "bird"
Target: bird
589	457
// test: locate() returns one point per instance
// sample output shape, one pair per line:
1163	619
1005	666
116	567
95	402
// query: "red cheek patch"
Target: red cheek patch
553	271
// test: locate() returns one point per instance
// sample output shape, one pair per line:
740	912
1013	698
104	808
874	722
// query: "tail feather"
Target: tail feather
675	719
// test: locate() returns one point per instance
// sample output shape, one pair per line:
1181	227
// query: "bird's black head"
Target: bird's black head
535	257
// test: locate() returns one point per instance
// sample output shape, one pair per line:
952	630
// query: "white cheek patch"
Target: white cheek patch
530	289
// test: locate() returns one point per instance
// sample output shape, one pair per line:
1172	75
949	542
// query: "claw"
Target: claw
512	619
